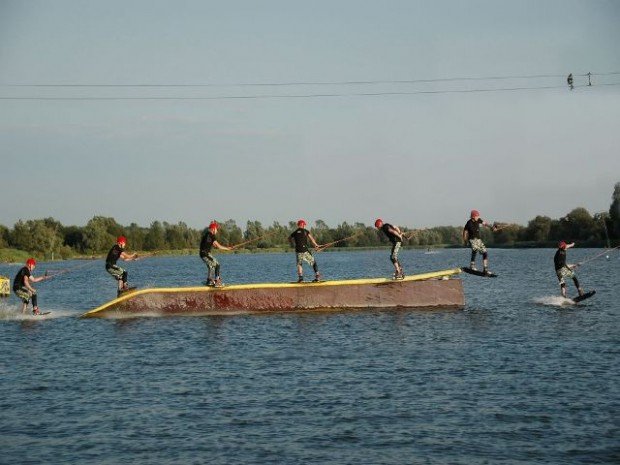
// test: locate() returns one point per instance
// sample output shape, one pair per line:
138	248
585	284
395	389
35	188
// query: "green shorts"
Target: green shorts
24	294
116	271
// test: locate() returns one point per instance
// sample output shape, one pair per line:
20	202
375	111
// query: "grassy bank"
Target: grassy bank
13	256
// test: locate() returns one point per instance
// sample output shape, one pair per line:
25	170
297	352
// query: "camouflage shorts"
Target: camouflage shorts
24	294
210	261
395	250
115	271
306	257
564	272
477	245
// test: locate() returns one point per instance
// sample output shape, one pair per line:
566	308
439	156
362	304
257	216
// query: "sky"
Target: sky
412	111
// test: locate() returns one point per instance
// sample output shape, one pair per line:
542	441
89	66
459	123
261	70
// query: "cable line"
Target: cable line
306	96
313	83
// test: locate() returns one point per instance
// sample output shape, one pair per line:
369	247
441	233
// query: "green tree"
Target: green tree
229	233
538	229
42	237
277	235
100	234
4	236
73	237
343	231
155	238
428	237
450	234
367	238
321	232
178	236
602	221
320	225
486	235
580	225
253	230
135	236
614	213
557	230
509	234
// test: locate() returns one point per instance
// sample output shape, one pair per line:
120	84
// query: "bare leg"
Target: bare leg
398	270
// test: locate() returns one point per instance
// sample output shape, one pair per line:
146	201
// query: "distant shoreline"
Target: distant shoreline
15	256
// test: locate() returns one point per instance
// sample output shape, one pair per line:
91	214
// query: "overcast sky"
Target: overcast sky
146	110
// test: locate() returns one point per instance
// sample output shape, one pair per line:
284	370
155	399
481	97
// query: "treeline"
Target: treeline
48	238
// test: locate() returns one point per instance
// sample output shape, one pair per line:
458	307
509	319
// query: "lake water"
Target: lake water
513	378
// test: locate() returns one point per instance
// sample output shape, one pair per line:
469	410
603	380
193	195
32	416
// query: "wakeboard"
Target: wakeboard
42	313
585	296
126	291
479	273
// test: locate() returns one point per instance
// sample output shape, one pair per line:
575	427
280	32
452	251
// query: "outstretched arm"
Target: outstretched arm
127	257
314	243
220	246
32	279
489	225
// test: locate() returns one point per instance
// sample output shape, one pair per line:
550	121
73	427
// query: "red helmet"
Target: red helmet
121	240
213	225
301	223
31	262
378	223
562	244
475	213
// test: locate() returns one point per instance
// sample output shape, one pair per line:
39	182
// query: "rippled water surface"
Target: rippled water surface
516	377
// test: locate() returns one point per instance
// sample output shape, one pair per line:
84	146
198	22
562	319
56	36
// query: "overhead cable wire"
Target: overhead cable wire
306	96
314	83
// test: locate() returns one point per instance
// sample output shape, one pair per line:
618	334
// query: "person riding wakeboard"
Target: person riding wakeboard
299	238
471	236
23	289
564	270
395	236
118	252
206	244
